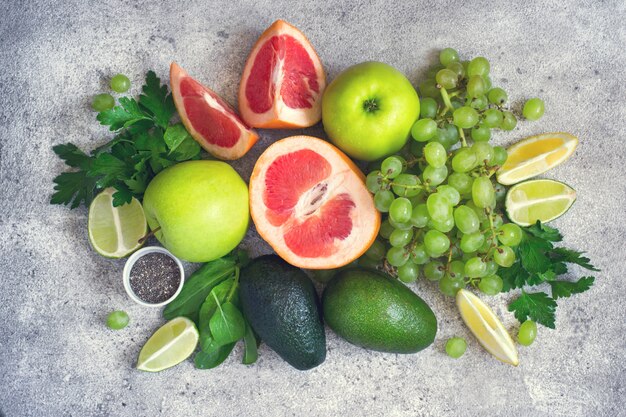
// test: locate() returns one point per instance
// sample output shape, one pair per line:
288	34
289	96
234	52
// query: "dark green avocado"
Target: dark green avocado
373	310
280	303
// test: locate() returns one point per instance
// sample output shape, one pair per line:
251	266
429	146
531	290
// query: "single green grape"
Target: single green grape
117	320
500	192
383	200
480	212
478	66
392	166
461	182
455	347
435	154
436	243
490	284
429	88
102	102
457	68
406	185
424	130
510	234
400	238
492	268
373	181
419	215
497	96
456	269
509	121
483	193
435	176
428	108
418	255
466	220
434	271
504	256
439	208
533	109
449	286
398	225
475	86
397	256
527	333
488	83
450	193
481	133
465	117
499	156
492	118
120	83
472	242
475	267
377	251
483	151
443	226
464	160
385	229
408	272
479	103
446	78
448	56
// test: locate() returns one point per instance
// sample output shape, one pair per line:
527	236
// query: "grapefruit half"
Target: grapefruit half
283	80
309	202
210	120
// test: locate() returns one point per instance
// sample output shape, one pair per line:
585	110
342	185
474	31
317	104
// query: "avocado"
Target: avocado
280	303
371	309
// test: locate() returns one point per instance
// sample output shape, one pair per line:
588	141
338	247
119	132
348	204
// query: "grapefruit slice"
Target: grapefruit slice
210	120
309	202
283	80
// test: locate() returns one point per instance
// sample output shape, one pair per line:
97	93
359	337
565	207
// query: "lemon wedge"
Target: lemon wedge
486	327
534	200
174	342
114	232
536	155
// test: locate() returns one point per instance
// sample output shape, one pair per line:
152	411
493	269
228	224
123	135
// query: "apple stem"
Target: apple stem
148	235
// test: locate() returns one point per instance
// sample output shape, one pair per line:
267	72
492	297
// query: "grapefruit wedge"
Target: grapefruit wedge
309	202
283	80
209	119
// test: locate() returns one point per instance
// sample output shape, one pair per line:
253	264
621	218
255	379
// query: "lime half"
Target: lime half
486	327
534	200
174	342
114	232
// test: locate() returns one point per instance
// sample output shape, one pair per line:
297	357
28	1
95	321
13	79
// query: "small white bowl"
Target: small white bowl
131	262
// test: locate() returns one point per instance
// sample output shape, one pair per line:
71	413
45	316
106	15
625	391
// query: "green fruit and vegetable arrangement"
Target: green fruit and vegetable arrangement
437	201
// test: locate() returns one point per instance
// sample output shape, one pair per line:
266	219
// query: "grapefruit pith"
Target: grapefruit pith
283	80
210	120
309	202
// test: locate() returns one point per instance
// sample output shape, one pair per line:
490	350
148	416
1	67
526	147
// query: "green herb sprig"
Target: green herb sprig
145	143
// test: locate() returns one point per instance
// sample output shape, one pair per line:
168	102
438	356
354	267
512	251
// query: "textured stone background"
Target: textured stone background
58	359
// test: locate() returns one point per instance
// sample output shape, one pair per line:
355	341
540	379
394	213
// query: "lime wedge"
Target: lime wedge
486	327
114	232
534	200
536	155
174	342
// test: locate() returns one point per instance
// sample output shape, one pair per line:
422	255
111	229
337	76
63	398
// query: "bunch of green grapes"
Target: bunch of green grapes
440	201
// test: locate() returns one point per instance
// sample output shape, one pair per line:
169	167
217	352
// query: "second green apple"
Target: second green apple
369	109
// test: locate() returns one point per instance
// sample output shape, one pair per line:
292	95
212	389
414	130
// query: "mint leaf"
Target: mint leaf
124	115
156	100
564	289
227	324
544	232
538	306
571	256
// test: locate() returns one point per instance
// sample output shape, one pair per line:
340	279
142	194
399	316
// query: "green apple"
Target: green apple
369	109
201	208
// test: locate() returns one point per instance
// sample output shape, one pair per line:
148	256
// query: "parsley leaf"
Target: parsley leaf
564	289
542	231
124	115
156	100
74	189
72	156
533	250
571	256
513	277
538	306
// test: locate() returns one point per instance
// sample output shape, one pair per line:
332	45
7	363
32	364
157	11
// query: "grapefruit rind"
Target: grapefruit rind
281	115
345	179
247	137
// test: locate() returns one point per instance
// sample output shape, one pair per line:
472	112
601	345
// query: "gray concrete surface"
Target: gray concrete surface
58	359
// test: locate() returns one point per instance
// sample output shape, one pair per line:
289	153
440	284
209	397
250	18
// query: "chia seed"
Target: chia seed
155	277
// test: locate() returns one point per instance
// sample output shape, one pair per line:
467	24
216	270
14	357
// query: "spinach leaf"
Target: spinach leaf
214	357
227	324
251	343
220	292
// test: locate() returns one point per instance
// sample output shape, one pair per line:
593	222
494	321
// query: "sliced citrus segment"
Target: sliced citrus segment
114	232
210	120
486	327
171	344
309	202
534	200
283	80
536	155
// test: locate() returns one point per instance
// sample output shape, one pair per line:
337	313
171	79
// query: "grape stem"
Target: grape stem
446	100
462	135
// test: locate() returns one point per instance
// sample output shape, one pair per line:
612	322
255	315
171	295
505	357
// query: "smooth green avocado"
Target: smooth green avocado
375	311
280	303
